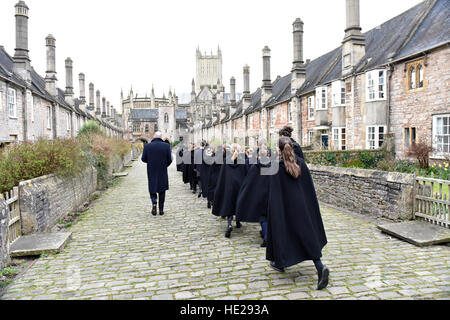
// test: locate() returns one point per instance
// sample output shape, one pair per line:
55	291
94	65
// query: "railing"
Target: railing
432	200
12	200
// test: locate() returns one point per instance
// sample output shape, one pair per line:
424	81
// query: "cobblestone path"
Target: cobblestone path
120	251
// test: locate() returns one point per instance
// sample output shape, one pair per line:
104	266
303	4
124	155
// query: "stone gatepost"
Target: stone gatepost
4	238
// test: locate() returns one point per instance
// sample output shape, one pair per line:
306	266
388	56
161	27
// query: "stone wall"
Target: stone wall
377	194
45	200
4	246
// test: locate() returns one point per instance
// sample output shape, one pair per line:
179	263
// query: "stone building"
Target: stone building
32	106
144	116
392	79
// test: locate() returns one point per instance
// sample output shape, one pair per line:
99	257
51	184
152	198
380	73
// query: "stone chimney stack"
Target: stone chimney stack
69	81
103	107
50	75
267	83
108	109
91	106
233	90
98	110
298	66
21	59
246	97
354	44
82	83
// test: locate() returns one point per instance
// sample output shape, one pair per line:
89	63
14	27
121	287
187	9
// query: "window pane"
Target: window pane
412	78
420	77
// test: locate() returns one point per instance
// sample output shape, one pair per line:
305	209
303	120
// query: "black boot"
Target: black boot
323	278
154	210
238	224
264	244
275	267
209	204
199	194
228	233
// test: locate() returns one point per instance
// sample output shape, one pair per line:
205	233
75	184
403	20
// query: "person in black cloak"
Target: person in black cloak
287	132
205	169
198	163
192	175
295	231
252	201
217	153
231	176
180	162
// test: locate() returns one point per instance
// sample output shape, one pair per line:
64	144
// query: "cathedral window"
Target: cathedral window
166	118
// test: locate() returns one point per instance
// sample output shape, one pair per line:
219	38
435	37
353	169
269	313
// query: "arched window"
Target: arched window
412	78
166	118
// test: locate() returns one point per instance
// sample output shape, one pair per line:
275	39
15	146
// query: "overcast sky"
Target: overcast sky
140	42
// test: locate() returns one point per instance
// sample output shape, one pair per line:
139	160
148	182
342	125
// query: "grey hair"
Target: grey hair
157	135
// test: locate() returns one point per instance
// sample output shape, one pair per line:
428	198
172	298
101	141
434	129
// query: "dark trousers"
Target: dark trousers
162	197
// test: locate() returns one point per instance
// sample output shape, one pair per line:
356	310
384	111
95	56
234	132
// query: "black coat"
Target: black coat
180	160
204	170
227	189
252	201
295	230
297	149
158	157
213	176
192	175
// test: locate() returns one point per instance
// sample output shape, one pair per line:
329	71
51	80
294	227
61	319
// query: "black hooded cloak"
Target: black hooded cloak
253	197
228	185
295	230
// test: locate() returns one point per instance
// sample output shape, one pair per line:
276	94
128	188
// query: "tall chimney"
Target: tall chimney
82	83
108	109
69	81
246	97
21	58
233	90
298	66
98	110
91	97
267	83
103	107
354	43
50	75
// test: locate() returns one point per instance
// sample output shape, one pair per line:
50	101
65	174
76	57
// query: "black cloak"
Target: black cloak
192	175
228	185
295	230
204	177
297	149
252	201
213	176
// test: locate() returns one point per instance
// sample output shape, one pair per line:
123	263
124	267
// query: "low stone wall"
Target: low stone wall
4	222
45	200
368	192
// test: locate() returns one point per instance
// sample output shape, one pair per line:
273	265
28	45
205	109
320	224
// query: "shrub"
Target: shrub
90	128
331	158
24	161
421	151
405	166
369	159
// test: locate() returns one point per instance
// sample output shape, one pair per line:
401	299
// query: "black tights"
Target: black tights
319	265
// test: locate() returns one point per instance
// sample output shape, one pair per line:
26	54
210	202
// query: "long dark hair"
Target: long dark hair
288	157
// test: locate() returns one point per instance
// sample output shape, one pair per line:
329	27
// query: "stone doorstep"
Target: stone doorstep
35	244
419	233
120	174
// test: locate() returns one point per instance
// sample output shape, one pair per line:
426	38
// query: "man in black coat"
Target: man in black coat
158	157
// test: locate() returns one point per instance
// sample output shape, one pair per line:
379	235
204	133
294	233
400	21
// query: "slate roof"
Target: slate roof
144	114
420	28
6	69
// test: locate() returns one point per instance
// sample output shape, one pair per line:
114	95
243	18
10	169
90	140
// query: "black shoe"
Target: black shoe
161	213
275	267
200	194
228	233
323	278
154	210
209	205
238	224
264	244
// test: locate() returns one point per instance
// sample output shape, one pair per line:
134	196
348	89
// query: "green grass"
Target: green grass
8	272
4	284
445	190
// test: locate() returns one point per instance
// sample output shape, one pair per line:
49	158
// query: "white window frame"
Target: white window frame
12	103
437	145
375	88
49	117
311	107
339	138
338	89
289	108
68	122
310	136
321	98
373	143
